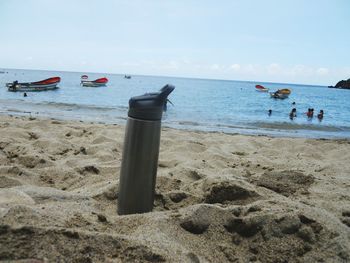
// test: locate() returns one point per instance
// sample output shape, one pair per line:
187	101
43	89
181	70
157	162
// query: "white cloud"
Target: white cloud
274	69
173	65
299	70
249	69
130	64
215	67
235	67
322	71
186	61
273	72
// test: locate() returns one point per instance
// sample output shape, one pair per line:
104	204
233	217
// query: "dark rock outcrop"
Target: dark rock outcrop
343	84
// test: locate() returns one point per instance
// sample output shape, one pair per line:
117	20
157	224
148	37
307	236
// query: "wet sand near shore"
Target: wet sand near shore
219	197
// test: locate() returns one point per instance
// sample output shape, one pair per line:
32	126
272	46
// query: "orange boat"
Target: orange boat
280	94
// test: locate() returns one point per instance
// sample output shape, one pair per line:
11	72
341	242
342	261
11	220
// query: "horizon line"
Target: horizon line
167	76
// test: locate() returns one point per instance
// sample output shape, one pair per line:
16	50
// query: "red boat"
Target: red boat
94	83
46	84
261	88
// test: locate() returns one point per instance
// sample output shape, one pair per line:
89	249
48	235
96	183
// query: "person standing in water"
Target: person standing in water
310	113
320	115
293	114
269	112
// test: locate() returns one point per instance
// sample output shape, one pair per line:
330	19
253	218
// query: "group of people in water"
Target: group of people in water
309	113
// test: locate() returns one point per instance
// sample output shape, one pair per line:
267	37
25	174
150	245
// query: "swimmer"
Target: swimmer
309	113
320	115
293	114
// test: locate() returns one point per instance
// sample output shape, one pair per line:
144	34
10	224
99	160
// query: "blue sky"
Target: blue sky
291	41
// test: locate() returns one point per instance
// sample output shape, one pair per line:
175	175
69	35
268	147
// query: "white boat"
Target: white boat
94	83
261	88
46	84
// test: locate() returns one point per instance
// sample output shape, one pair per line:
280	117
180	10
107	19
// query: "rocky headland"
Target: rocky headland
343	84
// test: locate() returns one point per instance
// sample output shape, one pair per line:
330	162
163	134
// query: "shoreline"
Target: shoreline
237	107
165	127
259	128
219	197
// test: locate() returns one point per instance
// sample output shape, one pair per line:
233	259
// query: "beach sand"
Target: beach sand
219	197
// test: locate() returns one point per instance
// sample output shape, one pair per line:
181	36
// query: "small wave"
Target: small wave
230	126
189	123
79	106
61	105
17	111
279	129
296	126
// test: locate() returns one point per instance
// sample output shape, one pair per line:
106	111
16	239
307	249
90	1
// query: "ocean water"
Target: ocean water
199	104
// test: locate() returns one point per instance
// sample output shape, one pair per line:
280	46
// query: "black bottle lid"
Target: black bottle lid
150	105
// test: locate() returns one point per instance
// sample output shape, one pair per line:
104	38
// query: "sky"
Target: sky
290	41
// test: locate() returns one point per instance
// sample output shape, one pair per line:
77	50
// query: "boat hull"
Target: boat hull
94	83
280	94
262	90
26	88
86	83
276	95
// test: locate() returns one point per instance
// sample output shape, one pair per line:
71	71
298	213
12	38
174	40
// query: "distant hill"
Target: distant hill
343	84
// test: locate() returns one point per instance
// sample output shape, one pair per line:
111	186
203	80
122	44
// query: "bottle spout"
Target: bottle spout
150	105
165	92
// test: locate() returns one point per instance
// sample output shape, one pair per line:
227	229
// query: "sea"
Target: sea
227	106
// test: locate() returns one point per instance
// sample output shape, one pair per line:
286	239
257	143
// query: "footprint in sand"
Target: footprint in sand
33	136
167	164
13	196
298	234
194	175
6	182
346	218
30	161
166	184
102	139
229	192
286	182
89	169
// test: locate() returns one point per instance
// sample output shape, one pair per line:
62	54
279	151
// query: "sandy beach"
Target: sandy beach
219	197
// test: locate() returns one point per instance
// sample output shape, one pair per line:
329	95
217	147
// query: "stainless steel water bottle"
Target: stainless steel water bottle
140	154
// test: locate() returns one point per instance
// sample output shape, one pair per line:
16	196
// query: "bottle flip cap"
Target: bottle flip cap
150	105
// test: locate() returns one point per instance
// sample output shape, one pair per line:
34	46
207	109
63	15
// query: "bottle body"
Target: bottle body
139	166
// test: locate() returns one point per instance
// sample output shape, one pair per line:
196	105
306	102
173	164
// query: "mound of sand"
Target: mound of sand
219	197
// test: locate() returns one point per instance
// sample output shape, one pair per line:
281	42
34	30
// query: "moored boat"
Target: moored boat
94	83
46	84
261	88
280	94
